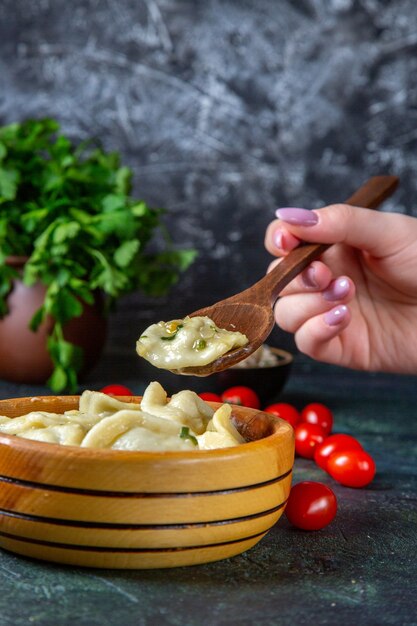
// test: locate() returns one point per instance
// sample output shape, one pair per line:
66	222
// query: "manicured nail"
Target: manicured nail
296	216
309	277
279	239
337	289
336	316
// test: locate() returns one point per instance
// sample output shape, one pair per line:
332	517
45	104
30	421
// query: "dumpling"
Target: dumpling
184	422
220	431
189	342
185	407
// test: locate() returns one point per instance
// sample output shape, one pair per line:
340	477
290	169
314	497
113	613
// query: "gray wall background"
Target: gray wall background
224	110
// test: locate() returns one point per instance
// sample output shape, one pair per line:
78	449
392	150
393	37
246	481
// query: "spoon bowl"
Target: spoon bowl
235	315
251	311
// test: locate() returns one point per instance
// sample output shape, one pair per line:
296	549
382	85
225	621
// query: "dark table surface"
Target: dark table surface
359	570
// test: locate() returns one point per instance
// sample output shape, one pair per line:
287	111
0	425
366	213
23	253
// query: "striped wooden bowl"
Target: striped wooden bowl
123	509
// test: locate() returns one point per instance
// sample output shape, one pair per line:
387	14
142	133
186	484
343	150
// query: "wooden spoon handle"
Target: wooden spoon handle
373	193
370	195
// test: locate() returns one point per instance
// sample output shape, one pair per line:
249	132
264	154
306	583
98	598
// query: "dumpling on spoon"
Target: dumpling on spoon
188	342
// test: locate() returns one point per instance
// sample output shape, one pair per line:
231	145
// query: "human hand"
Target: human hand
357	306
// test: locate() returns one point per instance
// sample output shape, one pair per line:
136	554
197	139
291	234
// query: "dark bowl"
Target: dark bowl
268	382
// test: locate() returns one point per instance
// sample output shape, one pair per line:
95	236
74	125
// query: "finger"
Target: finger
321	337
316	277
294	310
381	234
278	239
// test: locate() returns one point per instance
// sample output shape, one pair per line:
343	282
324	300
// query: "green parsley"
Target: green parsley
199	344
185	434
69	209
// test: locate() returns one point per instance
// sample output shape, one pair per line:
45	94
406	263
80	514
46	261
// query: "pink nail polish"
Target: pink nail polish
279	239
309	277
337	289
297	216
336	316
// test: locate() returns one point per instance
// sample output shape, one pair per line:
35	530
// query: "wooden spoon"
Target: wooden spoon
251	311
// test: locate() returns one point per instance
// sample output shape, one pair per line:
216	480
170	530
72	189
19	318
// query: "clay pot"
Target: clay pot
23	354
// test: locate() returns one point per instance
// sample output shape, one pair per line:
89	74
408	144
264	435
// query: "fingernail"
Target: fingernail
296	216
337	290
309	277
336	316
279	239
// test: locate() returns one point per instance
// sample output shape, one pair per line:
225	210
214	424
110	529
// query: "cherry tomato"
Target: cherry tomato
117	390
307	437
245	396
311	505
209	396
285	411
317	413
352	468
334	443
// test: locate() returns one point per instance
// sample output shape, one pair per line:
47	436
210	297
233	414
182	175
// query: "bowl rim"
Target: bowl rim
285	358
281	429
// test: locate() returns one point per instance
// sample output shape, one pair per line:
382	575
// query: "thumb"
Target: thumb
380	234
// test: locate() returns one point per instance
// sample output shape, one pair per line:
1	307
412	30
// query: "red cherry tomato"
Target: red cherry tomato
352	468
334	443
209	396
307	437
311	505
285	411
245	396
117	390
316	413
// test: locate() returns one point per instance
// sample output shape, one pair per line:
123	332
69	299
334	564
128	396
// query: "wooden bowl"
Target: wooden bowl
124	509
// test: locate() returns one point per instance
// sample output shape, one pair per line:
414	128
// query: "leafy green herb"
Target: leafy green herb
199	344
69	210
185	434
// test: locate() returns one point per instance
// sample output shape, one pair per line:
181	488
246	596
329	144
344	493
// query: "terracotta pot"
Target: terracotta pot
23	354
